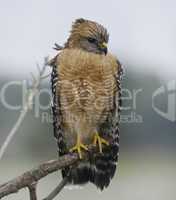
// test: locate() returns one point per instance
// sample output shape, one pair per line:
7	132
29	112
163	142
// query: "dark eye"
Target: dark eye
92	40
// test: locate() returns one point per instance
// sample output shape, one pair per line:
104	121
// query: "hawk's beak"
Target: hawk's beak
104	48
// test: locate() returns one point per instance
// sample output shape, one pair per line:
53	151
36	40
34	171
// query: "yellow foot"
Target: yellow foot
78	147
100	141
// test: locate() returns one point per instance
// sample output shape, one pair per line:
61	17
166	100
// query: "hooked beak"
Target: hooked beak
103	48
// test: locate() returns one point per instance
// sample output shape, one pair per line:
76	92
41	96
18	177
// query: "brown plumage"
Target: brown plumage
86	90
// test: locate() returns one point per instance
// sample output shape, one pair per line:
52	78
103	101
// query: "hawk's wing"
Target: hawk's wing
56	112
105	164
111	126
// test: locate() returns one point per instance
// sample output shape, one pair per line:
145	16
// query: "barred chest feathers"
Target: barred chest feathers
86	88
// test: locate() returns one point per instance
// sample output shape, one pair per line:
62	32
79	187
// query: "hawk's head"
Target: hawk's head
89	36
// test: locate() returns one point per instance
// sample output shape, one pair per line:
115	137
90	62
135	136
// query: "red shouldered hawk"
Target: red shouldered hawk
86	101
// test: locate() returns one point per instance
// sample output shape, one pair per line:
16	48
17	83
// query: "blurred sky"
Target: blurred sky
142	32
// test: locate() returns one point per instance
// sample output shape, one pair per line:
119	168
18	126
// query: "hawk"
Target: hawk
86	103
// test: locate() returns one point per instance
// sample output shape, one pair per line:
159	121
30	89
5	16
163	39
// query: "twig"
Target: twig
31	93
34	175
13	131
32	191
57	190
57	47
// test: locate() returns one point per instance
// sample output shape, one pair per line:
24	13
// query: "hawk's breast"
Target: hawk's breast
86	87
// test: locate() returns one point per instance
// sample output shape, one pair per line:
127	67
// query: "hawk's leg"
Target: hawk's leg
100	141
79	147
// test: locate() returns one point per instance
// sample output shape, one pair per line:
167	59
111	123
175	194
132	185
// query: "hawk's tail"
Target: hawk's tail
104	166
99	169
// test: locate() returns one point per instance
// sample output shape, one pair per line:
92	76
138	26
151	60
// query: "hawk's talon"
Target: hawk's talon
100	141
78	147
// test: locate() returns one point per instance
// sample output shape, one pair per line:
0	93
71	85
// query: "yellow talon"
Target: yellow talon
78	148
100	141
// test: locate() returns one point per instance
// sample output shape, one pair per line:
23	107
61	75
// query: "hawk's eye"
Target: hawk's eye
92	40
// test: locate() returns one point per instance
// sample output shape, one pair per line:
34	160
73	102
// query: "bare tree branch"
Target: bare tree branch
32	191
57	190
30	95
30	178
33	176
